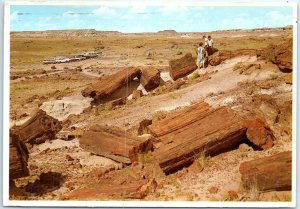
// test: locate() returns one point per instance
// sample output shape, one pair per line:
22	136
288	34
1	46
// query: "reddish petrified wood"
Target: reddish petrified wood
114	143
183	66
268	173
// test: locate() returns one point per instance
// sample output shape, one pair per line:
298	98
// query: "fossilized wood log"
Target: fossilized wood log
183	66
268	173
38	128
18	158
196	129
150	78
114	143
107	85
130	190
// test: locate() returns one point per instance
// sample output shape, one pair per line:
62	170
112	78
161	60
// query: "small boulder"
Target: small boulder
259	134
150	78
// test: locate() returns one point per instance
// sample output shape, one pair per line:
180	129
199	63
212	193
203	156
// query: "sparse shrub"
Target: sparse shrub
144	158
238	66
273	76
203	159
195	75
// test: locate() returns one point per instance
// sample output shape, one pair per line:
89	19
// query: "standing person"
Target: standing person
205	40
210	45
201	55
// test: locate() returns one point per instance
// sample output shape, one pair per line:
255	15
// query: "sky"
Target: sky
140	18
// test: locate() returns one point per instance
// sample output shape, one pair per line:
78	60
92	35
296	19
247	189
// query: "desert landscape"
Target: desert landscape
141	122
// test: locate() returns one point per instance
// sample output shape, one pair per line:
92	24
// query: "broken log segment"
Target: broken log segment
114	143
183	66
38	128
193	130
130	190
18	158
268	173
109	84
150	78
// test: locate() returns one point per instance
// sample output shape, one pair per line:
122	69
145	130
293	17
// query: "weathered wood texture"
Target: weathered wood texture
37	129
107	85
183	66
18	157
268	173
150	78
114	143
220	56
130	190
196	129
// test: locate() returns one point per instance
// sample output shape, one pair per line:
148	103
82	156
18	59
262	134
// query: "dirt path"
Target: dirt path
222	81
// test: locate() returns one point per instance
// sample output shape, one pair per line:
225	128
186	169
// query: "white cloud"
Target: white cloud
138	8
14	16
275	15
70	14
104	11
127	17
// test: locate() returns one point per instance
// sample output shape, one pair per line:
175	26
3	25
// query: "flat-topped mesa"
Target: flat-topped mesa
182	67
195	130
39	128
109	84
114	143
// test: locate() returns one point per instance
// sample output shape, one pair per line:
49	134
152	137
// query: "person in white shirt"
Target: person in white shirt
205	41
210	45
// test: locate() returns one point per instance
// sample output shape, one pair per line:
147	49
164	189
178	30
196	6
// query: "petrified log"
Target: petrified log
38	128
130	190
107	85
114	143
183	66
268	173
196	129
220	56
259	134
281	55
150	78
18	157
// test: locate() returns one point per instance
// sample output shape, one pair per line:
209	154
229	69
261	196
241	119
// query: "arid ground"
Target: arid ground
246	81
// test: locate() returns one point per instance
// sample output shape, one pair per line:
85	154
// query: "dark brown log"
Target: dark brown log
150	78
268	173
196	129
18	157
107	85
183	66
116	102
38	128
114	143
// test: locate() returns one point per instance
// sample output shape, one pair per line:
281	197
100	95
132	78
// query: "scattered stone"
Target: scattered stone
69	158
196	167
136	94
142	129
245	148
213	190
232	195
